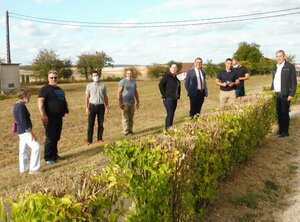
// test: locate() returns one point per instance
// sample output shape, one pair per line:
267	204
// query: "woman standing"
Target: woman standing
26	135
169	88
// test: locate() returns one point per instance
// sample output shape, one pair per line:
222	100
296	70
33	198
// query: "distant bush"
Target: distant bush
156	70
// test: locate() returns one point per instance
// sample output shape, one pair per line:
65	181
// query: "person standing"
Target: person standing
196	87
26	135
53	106
243	74
169	87
227	79
96	101
127	96
284	84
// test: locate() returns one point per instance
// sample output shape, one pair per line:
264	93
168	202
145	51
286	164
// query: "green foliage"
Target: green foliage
87	62
179	65
47	60
135	71
170	177
248	200
156	70
248	52
251	57
211	69
271	185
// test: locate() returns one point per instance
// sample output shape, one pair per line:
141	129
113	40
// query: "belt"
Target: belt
94	104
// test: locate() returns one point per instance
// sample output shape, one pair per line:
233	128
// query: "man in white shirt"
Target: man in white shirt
284	84
196	87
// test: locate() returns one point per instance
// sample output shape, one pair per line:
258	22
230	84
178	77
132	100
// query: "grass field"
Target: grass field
149	119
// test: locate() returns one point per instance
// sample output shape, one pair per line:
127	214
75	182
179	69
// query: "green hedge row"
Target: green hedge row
169	177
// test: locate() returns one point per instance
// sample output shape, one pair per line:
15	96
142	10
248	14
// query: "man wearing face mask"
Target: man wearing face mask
127	96
96	105
243	74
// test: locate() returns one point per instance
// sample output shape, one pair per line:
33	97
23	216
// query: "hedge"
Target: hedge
167	177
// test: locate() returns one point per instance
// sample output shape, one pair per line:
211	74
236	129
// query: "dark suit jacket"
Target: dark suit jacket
288	79
191	83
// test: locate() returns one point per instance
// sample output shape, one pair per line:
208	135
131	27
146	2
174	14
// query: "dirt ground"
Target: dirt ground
267	187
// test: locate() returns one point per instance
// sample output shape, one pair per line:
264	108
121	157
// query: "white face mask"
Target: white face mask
95	78
235	66
26	100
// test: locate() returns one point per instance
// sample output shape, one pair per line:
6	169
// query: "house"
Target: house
9	77
185	68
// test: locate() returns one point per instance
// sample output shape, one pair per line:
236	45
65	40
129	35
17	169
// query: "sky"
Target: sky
144	46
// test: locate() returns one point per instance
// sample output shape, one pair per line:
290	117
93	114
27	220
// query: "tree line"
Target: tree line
248	54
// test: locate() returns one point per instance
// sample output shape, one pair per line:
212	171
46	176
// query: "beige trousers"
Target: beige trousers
227	97
127	117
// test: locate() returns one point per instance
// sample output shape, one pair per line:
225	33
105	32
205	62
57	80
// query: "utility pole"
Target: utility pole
7	39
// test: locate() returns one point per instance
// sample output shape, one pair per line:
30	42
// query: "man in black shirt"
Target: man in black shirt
227	79
52	106
243	75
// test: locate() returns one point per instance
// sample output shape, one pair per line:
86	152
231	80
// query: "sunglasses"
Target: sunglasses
53	77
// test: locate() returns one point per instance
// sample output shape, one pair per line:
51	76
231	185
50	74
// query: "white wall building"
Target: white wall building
9	77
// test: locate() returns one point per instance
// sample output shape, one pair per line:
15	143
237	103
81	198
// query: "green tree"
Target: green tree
45	61
211	69
2	60
66	72
93	61
179	65
156	70
135	71
248	52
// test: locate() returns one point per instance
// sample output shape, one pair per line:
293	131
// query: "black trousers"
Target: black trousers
171	108
95	110
240	91
282	109
53	132
196	103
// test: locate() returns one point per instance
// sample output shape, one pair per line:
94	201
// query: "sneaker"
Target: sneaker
88	143
34	172
100	141
50	162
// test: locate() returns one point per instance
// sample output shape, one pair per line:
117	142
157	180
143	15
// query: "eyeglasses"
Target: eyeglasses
53	77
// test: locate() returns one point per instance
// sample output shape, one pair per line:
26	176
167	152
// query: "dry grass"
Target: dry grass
149	119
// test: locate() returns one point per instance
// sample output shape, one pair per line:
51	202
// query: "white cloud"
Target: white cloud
27	28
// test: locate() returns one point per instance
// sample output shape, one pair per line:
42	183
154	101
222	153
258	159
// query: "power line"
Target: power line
122	25
34	18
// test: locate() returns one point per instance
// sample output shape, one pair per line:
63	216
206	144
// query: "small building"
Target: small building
185	68
9	77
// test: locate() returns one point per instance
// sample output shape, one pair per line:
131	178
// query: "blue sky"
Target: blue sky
149	45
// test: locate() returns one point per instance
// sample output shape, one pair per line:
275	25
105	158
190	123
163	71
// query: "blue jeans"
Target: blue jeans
170	107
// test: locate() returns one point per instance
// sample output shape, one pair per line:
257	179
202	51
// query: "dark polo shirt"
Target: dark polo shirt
228	77
241	70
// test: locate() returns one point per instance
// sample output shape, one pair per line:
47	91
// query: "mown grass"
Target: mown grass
149	119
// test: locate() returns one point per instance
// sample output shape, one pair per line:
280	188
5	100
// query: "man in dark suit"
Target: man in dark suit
196	87
285	85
